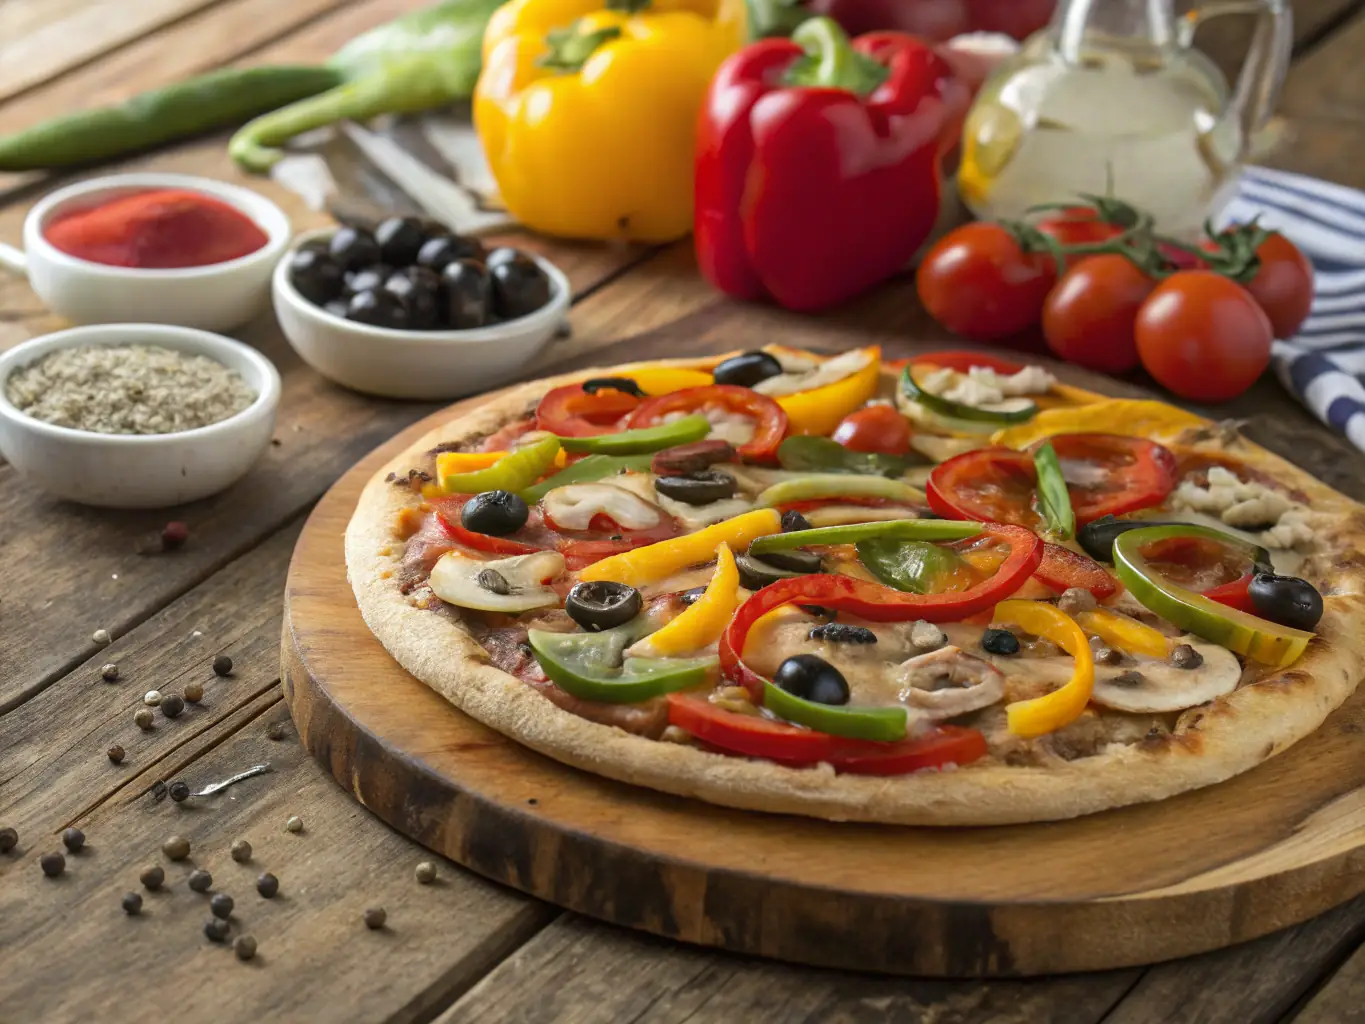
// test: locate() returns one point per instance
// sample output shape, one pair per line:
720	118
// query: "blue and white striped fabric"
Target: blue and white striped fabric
1324	366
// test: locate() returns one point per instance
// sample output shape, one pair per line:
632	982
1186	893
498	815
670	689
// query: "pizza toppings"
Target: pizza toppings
494	512
747	369
602	605
818	410
697	457
593	666
576	506
698	488
945	397
659	561
1206	672
1248	505
718	400
1048	713
704	619
515	471
510	585
586	470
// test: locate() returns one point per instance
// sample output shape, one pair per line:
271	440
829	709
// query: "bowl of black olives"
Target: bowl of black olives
412	310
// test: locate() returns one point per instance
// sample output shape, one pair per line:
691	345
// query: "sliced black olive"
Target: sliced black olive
520	287
400	238
1097	537
622	384
439	252
419	301
840	633
756	574
602	605
368	278
999	641
316	276
747	369
691	597
1287	600
792	521
812	678
378	309
795	560
699	488
467	295
496	513
353	247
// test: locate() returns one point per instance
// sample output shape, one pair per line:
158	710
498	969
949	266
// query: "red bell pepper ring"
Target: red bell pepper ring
877	603
753	736
572	412
960	360
1236	594
770	422
1061	569
818	163
582	550
448	515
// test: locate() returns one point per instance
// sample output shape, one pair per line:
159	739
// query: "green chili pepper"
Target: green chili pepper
585	471
1012	410
647	439
839	485
590	666
1053	496
915	567
822	455
885	724
895	529
515	471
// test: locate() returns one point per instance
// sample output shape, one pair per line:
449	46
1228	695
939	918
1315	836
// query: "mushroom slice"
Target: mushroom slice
831	371
512	585
573	507
1152	687
949	682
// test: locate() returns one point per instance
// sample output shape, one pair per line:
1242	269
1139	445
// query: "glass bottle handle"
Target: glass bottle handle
1267	62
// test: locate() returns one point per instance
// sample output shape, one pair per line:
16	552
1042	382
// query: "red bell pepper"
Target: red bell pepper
770	422
572	412
939	20
1236	594
818	163
1061	569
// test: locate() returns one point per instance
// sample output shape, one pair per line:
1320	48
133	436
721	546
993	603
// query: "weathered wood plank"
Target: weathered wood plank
1330	81
1342	999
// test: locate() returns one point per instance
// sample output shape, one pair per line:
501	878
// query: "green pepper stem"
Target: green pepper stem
768	18
571	49
831	61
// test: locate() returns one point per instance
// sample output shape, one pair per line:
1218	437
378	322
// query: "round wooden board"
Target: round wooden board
1219	866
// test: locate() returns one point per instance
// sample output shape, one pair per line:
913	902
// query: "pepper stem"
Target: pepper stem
831	61
570	49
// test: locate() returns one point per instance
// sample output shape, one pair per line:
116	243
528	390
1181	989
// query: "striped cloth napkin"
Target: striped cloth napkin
1324	366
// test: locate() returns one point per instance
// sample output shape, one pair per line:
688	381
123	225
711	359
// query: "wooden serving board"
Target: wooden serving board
1206	870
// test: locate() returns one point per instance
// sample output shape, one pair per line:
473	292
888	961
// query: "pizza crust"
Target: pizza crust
1209	745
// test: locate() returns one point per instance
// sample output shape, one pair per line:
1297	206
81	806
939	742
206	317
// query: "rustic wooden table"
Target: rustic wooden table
463	949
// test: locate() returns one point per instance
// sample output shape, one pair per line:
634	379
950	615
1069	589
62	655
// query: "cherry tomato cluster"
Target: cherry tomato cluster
1110	294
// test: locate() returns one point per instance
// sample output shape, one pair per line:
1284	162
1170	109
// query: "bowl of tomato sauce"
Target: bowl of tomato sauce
152	248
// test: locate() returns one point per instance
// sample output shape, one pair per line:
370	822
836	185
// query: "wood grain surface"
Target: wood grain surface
466	949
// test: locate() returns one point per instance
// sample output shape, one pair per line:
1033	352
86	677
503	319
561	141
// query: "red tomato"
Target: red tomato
878	428
1088	318
1283	287
1078	225
979	283
1203	336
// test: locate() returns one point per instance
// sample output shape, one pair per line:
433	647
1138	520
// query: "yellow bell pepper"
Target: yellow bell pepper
588	114
819	411
1125	633
656	562
467	462
703	623
1048	713
664	380
1128	416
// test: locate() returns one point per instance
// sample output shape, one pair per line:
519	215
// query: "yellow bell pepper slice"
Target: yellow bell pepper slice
703	623
650	564
819	411
1048	713
1125	633
1127	416
664	380
467	462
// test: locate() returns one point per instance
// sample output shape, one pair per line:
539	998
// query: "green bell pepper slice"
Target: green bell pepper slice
1256	638
839	485
914	567
585	471
882	724
1023	412
642	441
590	666
808	454
895	529
515	471
1053	497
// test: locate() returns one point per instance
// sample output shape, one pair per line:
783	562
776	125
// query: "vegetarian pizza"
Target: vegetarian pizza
948	591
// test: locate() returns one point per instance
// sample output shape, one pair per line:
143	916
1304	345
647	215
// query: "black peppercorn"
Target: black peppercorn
9	839
179	791
268	885
375	918
176	848
244	947
999	641
115	753
216	929
222	665
241	851
275	731
73	839
132	903
172	705
53	864
158	791
221	905
200	880
152	877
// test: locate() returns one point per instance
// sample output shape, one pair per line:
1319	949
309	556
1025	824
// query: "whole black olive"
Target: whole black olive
337	307
466	295
747	369
367	278
792	521
699	488
602	605
420	302
496	513
812	678
1287	600
795	560
353	248
316	276
421	277
399	239
520	287
622	384
378	309
439	252
999	641
756	574
501	254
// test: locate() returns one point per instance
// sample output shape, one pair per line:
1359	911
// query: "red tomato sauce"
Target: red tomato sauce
157	229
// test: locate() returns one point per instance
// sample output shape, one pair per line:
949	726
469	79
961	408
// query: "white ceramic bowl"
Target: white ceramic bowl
212	298
414	364
140	470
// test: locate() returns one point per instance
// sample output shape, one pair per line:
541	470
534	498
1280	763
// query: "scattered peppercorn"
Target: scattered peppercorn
179	791
132	903
999	641
200	880
268	885
9	839
109	672
426	872
152	698
221	905
194	692
102	637
158	791
216	929
53	864
1108	656
143	718
1185	656
116	753
172	705
375	918
174	534
152	877
241	851
222	665
244	947
73	839
176	848
275	731
1075	600
294	824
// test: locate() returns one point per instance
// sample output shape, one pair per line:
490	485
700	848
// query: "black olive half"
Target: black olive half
795	560
353	248
315	276
1097	537
468	297
698	488
792	521
756	574
602	605
622	384
747	369
812	678
496	513
400	238
520	287
1287	600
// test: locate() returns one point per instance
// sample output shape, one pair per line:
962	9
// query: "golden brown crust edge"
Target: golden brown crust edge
1211	744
